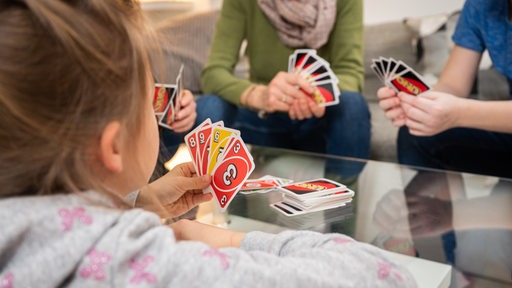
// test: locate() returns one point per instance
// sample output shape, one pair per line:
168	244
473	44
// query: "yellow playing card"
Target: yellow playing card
219	140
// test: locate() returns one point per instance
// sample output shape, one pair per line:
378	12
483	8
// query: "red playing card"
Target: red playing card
326	93
409	82
161	98
203	137
192	142
313	188
231	172
254	184
179	91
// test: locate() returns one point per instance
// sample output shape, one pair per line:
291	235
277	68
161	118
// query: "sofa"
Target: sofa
422	43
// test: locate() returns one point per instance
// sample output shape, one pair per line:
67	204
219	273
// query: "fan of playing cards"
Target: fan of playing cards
317	71
399	76
220	152
312	195
166	100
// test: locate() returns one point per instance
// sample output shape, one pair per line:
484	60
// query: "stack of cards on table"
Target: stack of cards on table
264	184
312	195
315	221
318	72
399	76
166	100
220	152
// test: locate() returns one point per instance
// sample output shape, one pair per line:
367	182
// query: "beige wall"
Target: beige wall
375	11
379	11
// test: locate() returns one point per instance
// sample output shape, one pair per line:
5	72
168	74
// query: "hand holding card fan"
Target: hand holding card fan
167	99
220	152
317	71
399	76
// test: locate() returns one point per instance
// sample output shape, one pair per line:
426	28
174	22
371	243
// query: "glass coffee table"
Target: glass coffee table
457	219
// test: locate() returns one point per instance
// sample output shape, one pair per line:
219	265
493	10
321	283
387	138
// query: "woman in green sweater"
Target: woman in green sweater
269	108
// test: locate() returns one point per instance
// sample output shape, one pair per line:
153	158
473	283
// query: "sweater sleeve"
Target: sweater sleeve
147	253
218	77
345	45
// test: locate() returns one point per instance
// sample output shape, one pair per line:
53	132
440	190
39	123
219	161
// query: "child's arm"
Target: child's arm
288	259
211	235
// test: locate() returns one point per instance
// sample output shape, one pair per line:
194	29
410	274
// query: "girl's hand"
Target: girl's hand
175	193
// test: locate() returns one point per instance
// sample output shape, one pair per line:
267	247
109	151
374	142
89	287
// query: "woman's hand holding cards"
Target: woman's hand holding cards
287	93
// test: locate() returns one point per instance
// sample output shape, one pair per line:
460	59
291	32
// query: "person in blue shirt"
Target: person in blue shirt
443	128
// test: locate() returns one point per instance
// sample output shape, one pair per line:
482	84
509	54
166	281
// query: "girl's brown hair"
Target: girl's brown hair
67	68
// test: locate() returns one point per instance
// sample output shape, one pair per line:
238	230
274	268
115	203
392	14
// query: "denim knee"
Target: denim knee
349	126
215	108
355	107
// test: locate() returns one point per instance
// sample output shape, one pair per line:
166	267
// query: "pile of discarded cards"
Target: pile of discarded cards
312	195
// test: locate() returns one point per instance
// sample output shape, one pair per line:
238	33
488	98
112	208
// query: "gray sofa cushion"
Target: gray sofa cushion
186	40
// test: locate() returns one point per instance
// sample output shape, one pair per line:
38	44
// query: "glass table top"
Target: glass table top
464	220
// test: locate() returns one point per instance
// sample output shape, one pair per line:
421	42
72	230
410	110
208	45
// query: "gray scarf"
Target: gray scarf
301	23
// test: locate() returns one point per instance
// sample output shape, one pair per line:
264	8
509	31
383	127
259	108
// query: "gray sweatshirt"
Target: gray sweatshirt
66	241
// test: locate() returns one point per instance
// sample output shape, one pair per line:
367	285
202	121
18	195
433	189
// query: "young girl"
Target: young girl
77	134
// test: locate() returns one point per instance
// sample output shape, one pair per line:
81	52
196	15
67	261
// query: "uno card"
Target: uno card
409	82
399	76
400	67
313	75
169	114
192	143
385	64
179	91
314	78
307	203
290	209
299	58
203	140
262	183
230	173
312	188
326	93
219	140
291	62
311	63
376	68
391	67
162	97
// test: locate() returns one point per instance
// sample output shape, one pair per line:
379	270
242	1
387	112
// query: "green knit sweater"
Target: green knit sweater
243	19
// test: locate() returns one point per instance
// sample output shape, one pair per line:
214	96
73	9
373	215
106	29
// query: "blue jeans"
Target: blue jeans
343	131
459	149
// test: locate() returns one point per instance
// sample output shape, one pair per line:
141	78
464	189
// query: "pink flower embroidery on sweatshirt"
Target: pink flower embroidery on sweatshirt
342	240
69	216
95	268
223	258
7	280
139	273
386	270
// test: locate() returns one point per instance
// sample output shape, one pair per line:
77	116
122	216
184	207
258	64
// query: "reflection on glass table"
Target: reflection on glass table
463	220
